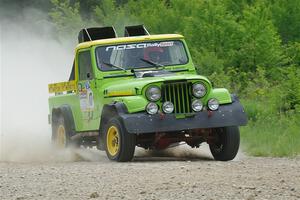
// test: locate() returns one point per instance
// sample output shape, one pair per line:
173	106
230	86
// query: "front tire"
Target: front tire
226	143
119	145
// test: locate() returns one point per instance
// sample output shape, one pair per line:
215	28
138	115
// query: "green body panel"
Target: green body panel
138	84
133	103
70	100
221	94
128	90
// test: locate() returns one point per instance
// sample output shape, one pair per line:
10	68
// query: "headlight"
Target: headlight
197	105
152	108
153	93
199	90
213	104
168	107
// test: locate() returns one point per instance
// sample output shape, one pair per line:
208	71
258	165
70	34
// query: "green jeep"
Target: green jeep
141	90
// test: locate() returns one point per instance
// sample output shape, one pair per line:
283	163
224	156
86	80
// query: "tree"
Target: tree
286	17
66	17
260	44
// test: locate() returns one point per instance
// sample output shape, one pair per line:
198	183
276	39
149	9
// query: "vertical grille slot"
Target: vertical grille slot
177	93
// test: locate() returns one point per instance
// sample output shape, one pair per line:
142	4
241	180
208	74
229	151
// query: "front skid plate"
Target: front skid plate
227	115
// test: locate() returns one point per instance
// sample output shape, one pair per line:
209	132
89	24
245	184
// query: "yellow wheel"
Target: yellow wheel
61	133
112	140
119	144
61	139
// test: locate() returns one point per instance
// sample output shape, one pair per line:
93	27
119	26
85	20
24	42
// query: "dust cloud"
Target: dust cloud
31	58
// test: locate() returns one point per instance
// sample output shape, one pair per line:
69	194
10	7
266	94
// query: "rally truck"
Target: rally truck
141	90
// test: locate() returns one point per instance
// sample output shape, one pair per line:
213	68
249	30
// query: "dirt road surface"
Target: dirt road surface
176	174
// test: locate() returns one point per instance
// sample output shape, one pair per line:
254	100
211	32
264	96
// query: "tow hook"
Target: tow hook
209	113
162	115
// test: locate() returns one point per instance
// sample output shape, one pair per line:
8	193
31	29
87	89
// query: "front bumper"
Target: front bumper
227	115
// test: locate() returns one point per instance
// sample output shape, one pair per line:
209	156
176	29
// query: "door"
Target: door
85	85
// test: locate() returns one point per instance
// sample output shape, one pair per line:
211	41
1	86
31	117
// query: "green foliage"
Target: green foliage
215	30
291	88
66	17
260	44
286	16
272	107
209	63
293	53
251	47
107	13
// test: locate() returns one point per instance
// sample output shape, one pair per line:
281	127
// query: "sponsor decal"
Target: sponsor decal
86	97
140	45
120	93
87	85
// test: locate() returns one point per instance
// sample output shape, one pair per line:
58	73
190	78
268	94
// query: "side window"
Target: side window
85	65
72	75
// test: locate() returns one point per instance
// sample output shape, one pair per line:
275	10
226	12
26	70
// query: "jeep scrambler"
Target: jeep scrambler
141	90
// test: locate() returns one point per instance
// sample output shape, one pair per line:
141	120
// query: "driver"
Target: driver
154	54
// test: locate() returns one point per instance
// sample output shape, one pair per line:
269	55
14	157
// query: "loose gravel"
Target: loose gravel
173	174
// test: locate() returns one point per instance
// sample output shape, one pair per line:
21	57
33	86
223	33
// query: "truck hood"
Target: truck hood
129	86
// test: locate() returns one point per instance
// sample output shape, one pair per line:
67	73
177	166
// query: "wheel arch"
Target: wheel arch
66	112
109	111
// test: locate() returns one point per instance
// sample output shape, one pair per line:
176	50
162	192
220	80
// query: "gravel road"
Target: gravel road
179	173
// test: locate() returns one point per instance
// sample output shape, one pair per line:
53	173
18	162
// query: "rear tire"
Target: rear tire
227	142
61	133
119	144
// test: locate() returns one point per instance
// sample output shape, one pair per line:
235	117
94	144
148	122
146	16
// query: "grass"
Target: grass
276	136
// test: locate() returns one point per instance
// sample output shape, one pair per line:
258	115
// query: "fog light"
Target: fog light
168	107
213	104
152	108
197	105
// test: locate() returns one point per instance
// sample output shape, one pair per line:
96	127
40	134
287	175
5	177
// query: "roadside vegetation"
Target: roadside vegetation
249	46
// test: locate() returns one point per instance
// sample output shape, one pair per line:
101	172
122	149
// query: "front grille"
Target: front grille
179	94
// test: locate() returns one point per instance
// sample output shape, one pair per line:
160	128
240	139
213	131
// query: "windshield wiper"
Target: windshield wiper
114	66
152	63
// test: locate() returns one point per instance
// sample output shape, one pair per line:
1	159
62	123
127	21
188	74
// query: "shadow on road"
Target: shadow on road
168	159
179	153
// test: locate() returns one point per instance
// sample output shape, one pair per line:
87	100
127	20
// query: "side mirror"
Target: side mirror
88	75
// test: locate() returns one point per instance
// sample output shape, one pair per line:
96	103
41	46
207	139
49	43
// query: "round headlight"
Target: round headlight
168	107
199	90
153	93
197	105
152	108
213	104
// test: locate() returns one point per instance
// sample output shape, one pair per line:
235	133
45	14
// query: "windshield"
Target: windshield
141	55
